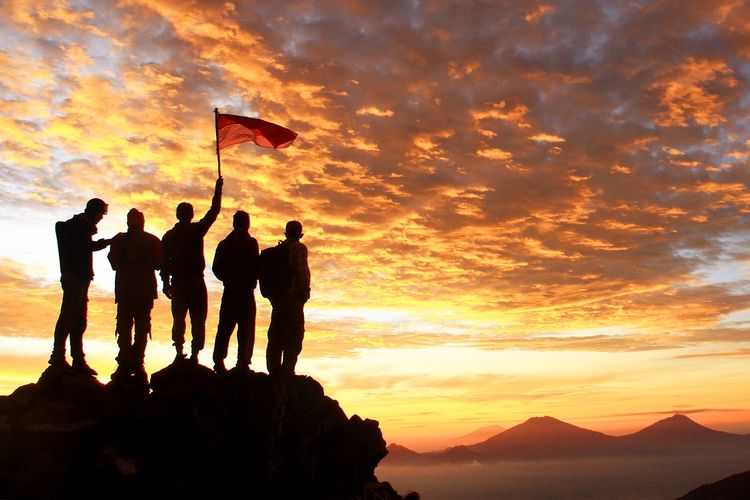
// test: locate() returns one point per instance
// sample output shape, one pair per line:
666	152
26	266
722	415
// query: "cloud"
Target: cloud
685	93
375	112
528	169
546	138
539	13
494	154
682	411
739	353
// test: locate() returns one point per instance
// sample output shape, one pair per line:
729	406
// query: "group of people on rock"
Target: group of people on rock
135	255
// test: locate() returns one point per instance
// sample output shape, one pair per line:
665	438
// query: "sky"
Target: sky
512	209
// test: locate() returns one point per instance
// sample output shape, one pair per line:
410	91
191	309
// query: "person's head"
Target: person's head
241	221
136	220
96	209
293	230
184	212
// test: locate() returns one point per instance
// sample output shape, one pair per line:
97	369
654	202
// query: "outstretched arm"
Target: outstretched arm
100	244
213	212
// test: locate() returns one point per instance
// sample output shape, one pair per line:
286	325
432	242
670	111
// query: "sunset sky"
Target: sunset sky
512	209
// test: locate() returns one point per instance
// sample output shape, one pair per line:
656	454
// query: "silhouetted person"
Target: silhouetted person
182	273
236	265
75	248
287	328
134	256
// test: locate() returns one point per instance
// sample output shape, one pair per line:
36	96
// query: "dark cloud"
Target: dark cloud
683	411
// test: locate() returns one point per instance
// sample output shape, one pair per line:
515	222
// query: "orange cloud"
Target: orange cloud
540	12
546	138
494	154
434	219
498	111
375	112
687	93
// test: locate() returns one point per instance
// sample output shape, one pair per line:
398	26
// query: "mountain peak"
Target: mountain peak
679	417
397	448
678	421
679	430
545	420
544	436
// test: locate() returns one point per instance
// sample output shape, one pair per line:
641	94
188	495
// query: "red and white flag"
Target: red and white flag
234	129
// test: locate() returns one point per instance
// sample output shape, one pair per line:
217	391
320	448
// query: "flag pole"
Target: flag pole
216	126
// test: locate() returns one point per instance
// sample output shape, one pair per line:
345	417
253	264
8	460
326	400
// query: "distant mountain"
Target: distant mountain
545	437
402	455
456	454
736	487
450	450
473	437
679	431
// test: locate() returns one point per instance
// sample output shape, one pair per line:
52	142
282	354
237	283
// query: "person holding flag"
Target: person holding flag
182	273
184	262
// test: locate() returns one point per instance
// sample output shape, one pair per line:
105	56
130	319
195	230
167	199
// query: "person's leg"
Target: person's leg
179	311
274	347
223	331
294	334
78	329
69	310
124	330
198	310
245	329
142	318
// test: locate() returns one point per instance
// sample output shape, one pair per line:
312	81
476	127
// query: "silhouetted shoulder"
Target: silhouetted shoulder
153	238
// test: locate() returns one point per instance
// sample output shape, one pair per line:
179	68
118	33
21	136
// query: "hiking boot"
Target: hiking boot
179	357
140	376
219	367
194	358
60	363
243	367
80	366
120	375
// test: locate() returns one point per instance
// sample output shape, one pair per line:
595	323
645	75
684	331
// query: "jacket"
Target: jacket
134	256
75	247
236	261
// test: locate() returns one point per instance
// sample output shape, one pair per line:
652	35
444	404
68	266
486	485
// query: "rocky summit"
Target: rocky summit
191	434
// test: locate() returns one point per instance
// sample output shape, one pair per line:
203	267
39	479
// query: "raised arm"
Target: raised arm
213	212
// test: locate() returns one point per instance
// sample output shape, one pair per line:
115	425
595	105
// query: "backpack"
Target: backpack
64	239
220	264
274	271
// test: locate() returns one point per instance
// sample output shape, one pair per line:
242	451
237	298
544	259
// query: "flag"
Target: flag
234	129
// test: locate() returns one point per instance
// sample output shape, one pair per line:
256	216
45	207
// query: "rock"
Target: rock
195	435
